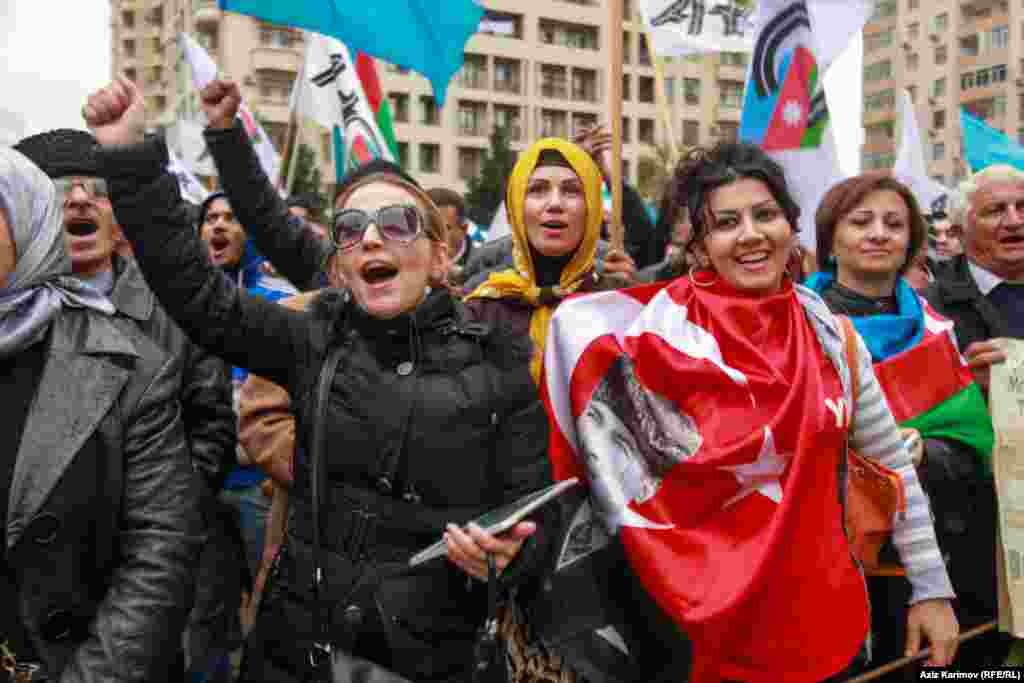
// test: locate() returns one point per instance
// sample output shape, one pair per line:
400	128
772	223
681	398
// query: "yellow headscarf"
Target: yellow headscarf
520	281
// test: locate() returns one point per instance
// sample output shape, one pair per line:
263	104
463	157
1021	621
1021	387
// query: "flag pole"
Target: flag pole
291	137
661	97
615	227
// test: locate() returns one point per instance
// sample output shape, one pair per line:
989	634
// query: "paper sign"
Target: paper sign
1006	399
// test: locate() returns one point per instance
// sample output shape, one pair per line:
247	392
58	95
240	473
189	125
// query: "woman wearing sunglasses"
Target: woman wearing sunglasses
431	418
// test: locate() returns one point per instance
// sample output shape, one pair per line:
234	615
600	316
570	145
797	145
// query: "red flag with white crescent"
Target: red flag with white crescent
709	426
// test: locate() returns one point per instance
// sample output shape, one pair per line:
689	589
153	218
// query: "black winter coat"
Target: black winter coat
207	412
103	524
431	418
956	296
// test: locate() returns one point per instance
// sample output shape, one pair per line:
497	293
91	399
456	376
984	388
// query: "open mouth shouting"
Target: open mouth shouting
378	273
220	246
81	227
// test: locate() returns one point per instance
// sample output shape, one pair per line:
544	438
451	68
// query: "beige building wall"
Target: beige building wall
549	77
949	53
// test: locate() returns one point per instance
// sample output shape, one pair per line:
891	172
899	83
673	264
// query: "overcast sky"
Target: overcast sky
53	54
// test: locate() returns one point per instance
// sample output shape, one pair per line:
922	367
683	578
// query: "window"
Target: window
884	8
273	36
508	117
941	54
940	22
913	31
880	101
474	72
275	85
501	24
878	71
506	75
691	90
208	39
128	19
912	62
913	4
429	113
645	89
626	134
969	46
999	106
939	87
553	124
939	151
472	117
471	161
691	133
967	81
584	85
553	81
644	58
999	37
430	158
730	94
131	74
982	77
912	91
998	73
626	59
582	121
626	94
625	170
645	131
399	106
129	48
939	119
563	34
878	41
395	69
879	133
403	154
728	131
877	160
670	89
732	59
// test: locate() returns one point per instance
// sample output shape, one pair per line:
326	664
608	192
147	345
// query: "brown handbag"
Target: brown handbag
874	493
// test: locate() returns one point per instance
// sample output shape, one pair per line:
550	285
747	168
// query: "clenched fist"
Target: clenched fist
220	100
116	115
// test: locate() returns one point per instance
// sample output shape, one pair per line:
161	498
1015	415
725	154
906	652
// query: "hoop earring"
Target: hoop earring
698	283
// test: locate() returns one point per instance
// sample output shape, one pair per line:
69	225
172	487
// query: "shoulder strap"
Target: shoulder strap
850	345
318	483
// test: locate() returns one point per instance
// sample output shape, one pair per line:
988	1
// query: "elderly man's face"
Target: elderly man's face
995	234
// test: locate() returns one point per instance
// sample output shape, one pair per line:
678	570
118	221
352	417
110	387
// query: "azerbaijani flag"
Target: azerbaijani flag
367	70
700	422
924	378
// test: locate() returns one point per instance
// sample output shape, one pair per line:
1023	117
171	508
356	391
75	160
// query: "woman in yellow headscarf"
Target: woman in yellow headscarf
555	209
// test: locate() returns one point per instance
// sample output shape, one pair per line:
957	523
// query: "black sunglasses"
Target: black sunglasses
95	188
397	223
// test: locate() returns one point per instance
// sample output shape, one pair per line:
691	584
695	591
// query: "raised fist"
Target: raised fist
116	115
220	100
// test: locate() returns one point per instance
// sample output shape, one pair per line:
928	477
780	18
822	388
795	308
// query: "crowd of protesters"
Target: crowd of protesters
228	430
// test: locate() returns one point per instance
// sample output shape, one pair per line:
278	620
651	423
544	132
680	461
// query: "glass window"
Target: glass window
430	158
691	90
691	133
939	151
730	94
941	54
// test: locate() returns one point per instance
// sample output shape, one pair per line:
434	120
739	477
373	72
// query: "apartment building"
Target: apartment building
539	67
948	54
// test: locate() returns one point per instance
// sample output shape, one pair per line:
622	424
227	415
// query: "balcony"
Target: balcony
554	91
513	87
276	59
206	11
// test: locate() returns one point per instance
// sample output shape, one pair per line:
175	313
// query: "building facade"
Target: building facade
538	67
948	54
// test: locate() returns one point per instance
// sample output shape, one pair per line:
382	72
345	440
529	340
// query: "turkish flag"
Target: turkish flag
700	418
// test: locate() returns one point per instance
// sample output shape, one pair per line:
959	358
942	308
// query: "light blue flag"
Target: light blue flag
427	36
985	146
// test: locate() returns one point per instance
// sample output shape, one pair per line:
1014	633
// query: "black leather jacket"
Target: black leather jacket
207	412
103	525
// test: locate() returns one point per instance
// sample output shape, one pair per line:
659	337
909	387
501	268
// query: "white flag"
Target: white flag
678	28
204	70
333	96
191	189
500	226
910	167
785	108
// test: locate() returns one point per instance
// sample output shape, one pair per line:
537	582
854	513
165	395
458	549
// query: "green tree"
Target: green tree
487	191
307	171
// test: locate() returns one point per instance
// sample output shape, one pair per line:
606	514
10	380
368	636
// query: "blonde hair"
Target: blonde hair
962	200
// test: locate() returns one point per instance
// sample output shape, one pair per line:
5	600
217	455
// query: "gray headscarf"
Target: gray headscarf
41	283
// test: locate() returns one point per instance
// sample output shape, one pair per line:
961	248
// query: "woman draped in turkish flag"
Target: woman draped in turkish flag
710	416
